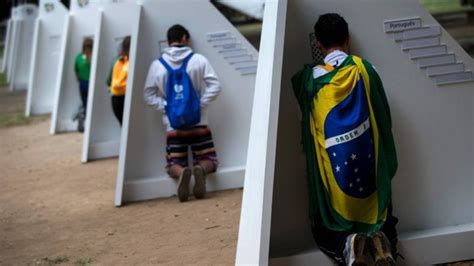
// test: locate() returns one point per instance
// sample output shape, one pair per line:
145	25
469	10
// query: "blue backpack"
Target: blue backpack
183	106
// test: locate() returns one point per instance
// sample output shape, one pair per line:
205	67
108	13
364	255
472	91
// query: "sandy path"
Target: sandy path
52	205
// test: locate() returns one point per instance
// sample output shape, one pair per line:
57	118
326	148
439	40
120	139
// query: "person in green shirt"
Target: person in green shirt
82	68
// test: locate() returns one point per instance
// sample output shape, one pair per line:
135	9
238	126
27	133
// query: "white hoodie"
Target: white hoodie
202	75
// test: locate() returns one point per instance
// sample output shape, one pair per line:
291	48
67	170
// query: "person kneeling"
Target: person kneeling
181	84
350	151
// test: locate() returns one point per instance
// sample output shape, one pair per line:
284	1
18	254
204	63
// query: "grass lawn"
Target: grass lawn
13	119
3	79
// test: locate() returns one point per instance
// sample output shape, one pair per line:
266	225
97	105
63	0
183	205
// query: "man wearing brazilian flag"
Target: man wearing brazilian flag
350	152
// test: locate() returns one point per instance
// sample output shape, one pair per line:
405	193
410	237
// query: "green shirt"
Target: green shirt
82	67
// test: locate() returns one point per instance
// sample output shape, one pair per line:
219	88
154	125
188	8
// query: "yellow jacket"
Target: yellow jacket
119	77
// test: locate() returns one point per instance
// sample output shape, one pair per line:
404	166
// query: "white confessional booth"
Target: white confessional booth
84	21
102	130
48	36
141	173
428	81
7	44
8	55
20	45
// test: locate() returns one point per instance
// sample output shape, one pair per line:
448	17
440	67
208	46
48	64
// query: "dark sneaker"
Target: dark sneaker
199	190
183	184
356	251
382	250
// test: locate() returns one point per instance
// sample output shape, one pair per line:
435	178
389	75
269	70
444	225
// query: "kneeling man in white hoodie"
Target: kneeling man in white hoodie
206	84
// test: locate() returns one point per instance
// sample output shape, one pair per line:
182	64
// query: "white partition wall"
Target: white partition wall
49	32
20	51
102	131
142	153
83	22
7	45
433	191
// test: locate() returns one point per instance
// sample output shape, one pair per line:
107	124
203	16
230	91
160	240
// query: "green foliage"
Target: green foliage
443	6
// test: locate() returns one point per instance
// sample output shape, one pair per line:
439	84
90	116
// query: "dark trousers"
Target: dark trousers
332	242
84	90
117	107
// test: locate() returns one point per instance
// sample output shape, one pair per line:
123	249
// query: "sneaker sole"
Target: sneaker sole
199	190
382	251
183	185
360	248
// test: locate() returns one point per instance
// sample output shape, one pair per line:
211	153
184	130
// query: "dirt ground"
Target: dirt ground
53	209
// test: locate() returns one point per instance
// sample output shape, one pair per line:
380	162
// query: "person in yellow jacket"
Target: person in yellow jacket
118	79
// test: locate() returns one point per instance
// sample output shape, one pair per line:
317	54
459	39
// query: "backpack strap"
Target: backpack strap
186	61
183	65
163	62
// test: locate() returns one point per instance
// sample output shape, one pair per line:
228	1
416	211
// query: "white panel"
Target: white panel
143	142
82	24
255	220
437	60
22	46
445	69
45	65
102	127
419	43
104	149
90	114
6	47
29	96
428	51
13	37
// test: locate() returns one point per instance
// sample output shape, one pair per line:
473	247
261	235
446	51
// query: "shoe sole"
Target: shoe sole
382	253
183	185
359	251
199	190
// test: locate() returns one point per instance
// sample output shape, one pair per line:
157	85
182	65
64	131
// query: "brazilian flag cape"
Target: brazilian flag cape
349	147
